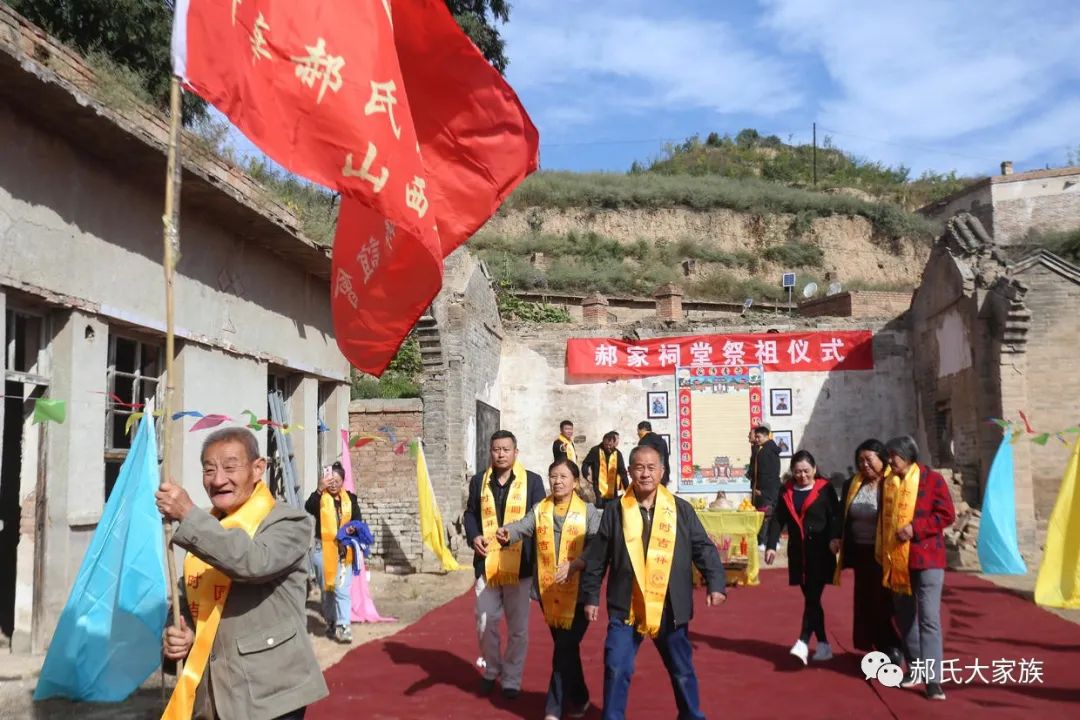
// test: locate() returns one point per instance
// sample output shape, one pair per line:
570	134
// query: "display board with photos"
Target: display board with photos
716	406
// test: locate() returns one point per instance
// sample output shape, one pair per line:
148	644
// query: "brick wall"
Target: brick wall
386	482
858	303
1054	384
1044	204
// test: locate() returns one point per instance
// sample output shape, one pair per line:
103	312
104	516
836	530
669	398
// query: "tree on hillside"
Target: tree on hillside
135	35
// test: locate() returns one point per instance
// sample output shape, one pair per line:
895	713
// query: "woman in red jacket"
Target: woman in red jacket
916	509
810	510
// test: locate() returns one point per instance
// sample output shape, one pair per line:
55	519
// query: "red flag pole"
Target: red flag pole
171	222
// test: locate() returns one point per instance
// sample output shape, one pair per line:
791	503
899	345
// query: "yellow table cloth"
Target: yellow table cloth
735	534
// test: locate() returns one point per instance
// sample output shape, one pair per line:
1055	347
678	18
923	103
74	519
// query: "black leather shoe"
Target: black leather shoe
510	693
486	686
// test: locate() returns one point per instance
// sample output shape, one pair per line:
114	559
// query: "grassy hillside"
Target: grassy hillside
751	155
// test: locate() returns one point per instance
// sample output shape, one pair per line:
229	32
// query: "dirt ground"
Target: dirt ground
404	597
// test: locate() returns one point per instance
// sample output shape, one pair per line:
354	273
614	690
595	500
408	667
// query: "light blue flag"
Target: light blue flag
999	553
108	639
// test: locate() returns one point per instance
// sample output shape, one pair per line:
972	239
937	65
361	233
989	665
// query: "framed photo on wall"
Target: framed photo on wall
780	401
656	404
786	441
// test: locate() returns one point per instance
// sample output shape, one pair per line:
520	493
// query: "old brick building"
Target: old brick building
990	338
1011	205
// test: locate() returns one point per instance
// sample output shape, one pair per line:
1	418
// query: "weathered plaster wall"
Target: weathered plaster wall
832	412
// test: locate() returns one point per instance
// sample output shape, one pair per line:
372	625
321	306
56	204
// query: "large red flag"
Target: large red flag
389	104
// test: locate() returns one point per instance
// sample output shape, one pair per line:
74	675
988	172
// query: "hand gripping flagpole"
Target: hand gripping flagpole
170	221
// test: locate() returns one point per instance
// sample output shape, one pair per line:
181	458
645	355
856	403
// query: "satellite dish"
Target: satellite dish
834	289
809	291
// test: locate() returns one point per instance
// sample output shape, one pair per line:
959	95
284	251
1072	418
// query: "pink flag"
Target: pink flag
363	606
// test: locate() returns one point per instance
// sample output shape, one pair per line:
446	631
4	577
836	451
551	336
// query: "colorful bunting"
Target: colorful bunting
46	410
1039	438
187	413
209	421
389	433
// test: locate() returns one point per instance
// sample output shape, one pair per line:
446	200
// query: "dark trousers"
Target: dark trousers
813	618
872	628
620	654
567	687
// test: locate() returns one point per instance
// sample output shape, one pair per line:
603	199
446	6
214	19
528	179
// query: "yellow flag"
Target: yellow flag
1059	575
431	524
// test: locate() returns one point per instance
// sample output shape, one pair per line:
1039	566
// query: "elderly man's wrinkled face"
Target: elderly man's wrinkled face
229	475
609	444
646	471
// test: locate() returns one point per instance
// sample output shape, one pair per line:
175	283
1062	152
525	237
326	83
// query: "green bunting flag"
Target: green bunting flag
46	410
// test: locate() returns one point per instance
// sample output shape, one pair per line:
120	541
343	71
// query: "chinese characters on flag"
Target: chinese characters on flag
603	358
388	103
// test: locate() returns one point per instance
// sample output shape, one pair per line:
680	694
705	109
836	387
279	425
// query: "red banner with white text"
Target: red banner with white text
606	358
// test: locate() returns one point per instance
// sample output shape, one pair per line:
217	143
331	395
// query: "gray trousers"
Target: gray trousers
919	619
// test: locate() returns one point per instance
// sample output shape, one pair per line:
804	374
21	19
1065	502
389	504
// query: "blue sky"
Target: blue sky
933	84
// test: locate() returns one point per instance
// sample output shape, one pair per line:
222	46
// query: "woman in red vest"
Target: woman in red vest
810	510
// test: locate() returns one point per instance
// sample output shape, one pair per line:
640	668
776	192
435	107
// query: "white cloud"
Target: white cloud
972	79
597	59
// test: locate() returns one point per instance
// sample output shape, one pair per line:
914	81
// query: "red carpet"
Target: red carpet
428	671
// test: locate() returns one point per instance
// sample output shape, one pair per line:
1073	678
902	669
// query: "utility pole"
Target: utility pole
815	154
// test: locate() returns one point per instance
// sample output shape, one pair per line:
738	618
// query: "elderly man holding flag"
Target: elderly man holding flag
243	638
650	540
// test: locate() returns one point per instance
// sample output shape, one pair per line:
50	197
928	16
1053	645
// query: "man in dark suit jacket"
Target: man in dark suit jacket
764	475
509	599
647	437
609	549
596	465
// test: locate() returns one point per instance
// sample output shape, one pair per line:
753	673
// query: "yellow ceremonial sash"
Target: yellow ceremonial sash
898	497
568	448
652	569
559	599
207	591
503	564
609	474
328	530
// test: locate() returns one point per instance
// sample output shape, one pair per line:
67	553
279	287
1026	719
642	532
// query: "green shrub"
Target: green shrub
795	255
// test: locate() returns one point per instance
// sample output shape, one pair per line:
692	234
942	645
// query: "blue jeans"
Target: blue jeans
620	653
337	606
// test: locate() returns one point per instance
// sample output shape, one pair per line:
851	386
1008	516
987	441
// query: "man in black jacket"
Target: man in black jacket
605	470
669	628
648	438
764	475
490	492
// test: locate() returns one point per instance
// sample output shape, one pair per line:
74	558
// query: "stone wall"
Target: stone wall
1054	385
386	481
461	342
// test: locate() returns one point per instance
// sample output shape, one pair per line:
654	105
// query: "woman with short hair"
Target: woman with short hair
809	509
916	509
562	525
872	625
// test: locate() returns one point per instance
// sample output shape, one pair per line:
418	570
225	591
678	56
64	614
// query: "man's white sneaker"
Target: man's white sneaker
800	650
822	652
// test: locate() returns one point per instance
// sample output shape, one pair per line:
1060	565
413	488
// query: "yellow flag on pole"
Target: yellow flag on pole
431	524
1058	584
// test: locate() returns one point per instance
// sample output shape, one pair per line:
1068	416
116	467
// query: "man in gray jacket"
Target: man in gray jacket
246	564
